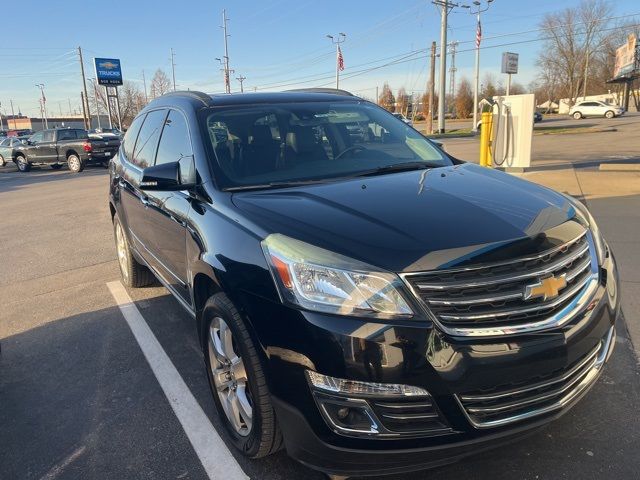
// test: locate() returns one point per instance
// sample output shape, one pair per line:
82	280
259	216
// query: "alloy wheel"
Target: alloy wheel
230	377
123	254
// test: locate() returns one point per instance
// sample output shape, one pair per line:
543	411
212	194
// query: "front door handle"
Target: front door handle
144	201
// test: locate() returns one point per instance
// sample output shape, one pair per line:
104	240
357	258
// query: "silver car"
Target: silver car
594	108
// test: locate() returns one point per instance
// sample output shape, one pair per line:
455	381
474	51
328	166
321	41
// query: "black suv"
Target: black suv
367	301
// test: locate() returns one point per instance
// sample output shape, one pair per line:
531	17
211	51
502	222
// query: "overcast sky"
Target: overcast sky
276	44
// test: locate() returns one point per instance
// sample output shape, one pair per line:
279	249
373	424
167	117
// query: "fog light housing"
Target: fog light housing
380	410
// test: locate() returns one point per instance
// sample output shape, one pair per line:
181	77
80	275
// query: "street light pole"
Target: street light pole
43	105
337	41
477	11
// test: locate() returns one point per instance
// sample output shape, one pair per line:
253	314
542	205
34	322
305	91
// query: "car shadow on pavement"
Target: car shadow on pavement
10	180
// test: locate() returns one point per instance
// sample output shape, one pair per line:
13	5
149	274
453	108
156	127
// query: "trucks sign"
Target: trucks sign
108	71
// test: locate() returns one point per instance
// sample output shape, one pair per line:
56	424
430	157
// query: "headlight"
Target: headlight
320	280
598	239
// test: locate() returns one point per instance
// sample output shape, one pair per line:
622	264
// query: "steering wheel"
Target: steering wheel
354	148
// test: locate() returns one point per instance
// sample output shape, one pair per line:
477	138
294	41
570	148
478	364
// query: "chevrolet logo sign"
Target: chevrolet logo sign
108	65
546	288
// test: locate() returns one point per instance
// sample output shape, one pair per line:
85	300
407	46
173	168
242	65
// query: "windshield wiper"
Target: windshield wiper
269	185
396	167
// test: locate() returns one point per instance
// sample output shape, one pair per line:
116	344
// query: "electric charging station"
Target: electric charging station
512	132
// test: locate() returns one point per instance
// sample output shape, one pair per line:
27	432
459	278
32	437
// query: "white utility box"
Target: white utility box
512	132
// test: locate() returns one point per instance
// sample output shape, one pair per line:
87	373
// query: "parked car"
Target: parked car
537	117
8	149
19	133
56	147
107	132
403	118
595	109
364	304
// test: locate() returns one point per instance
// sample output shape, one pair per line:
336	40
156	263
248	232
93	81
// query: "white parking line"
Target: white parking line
210	448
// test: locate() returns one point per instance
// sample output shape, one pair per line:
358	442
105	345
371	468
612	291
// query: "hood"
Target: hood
418	220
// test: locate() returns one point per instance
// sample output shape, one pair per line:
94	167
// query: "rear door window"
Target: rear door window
129	140
145	151
66	135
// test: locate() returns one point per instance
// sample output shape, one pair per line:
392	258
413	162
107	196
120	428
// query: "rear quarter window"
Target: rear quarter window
129	140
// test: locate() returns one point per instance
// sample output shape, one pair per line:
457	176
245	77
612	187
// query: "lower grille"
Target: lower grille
504	406
409	417
511	297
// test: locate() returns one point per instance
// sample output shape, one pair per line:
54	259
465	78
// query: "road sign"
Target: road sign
509	62
108	71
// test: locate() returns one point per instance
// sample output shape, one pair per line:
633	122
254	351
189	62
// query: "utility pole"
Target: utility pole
2	124
445	7
432	87
339	62
86	110
453	69
144	83
377	98
586	71
173	68
227	71
241	79
43	104
476	10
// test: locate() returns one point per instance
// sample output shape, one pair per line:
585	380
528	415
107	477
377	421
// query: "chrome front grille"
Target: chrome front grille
492	299
538	396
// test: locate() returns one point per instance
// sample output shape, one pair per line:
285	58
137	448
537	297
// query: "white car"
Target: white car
403	118
595	109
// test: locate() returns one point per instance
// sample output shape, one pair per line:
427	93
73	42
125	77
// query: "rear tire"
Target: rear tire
56	166
2	161
132	272
225	335
609	114
22	164
577	116
75	164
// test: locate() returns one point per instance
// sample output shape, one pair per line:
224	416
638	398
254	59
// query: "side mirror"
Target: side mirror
165	177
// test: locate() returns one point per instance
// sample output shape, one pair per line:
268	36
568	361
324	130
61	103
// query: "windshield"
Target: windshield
259	145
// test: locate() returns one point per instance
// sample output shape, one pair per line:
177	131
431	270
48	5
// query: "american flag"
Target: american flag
478	34
340	60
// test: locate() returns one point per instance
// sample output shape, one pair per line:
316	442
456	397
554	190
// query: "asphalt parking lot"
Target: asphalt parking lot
79	398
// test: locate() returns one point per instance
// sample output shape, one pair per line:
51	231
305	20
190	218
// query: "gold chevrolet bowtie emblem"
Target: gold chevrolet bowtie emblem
546	288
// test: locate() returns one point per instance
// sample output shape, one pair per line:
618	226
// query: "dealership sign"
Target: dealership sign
626	57
108	71
509	62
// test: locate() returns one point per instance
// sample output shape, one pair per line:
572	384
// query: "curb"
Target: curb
620	167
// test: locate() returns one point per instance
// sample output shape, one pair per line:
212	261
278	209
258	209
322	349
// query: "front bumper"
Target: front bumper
419	355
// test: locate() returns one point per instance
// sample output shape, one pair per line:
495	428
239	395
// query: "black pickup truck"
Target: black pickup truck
72	146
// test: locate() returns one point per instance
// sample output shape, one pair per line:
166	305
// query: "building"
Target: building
36	124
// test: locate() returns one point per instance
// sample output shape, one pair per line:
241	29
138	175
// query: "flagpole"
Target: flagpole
476	87
337	41
474	127
337	66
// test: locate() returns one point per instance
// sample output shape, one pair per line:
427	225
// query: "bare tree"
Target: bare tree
573	37
387	100
131	102
402	101
160	84
463	101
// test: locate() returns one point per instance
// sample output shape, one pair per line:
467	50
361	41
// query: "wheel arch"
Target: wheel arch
71	151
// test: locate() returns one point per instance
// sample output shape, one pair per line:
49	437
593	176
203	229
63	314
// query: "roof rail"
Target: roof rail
335	91
203	97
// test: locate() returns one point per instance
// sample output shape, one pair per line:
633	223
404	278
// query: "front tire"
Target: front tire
132	272
609	114
577	116
2	161
237	380
22	164
75	164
